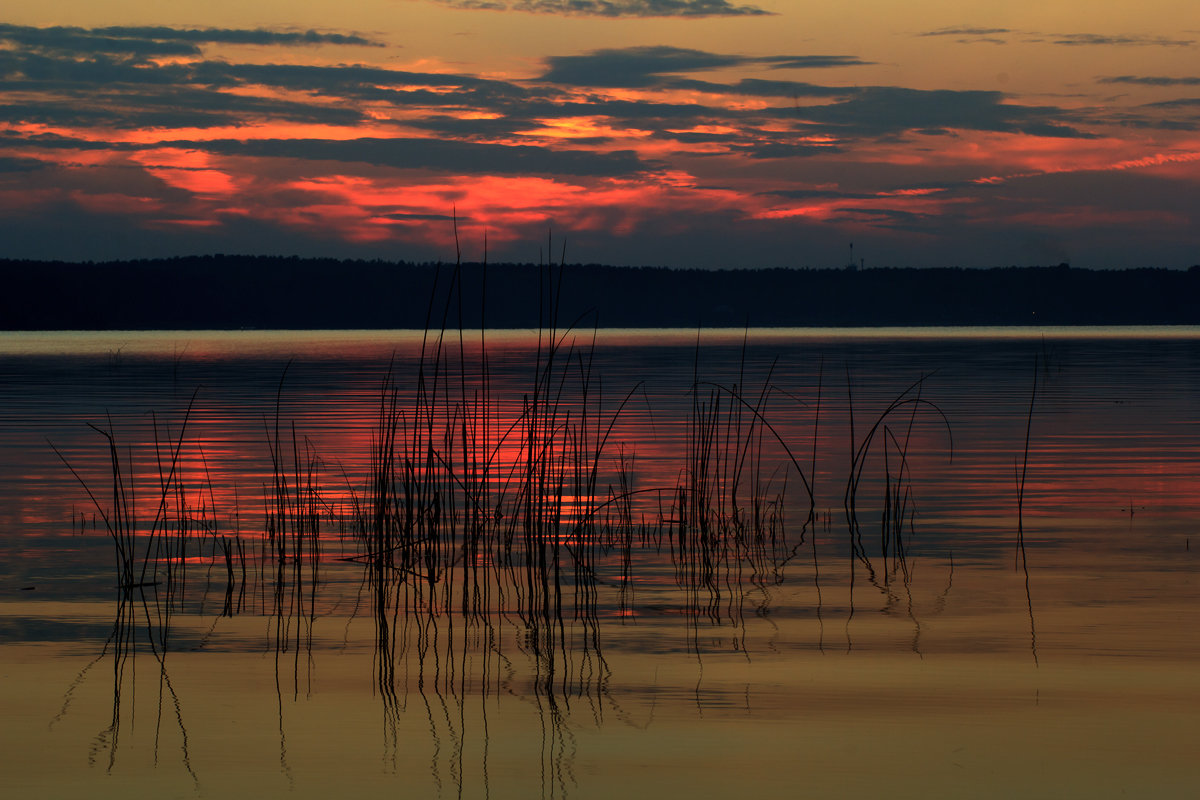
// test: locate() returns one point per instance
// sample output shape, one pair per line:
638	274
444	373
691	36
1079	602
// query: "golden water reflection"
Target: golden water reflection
941	695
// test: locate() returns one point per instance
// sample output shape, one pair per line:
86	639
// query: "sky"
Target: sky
685	133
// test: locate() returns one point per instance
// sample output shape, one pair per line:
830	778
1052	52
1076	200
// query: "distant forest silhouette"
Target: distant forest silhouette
233	292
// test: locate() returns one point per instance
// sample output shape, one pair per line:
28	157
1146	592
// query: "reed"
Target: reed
149	588
1020	552
897	504
120	519
478	505
483	501
168	534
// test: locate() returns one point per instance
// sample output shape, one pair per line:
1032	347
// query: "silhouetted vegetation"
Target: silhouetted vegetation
232	292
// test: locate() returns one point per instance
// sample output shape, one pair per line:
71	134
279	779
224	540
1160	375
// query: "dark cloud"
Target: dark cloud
455	157
109	90
103	88
817	194
457	126
108	77
234	108
106	90
882	110
972	35
25	70
340	78
1178	114
804	62
445	125
257	36
636	111
520	107
1128	190
693	137
1182	102
170	106
70	114
1090	39
645	67
54	141
756	144
633	67
350	83
1151	80
517	107
785	150
83	42
1173	125
189	95
755	87
891	218
147	42
966	32
8	164
613	8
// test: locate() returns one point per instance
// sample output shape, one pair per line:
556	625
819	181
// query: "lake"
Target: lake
922	562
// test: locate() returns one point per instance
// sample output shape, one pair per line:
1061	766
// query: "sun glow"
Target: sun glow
583	128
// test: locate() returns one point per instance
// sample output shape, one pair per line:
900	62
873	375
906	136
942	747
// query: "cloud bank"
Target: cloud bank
134	138
613	8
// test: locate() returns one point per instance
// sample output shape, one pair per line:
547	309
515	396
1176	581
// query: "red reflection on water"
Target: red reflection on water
1088	461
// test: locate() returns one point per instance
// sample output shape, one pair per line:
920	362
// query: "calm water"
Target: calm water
672	589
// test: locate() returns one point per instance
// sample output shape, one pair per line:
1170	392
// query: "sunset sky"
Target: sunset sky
707	133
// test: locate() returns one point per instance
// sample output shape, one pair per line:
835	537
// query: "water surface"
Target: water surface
1017	621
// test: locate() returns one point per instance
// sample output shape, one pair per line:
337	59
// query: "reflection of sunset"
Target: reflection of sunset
693	572
1074	478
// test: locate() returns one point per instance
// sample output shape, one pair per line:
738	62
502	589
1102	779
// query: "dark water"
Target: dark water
983	613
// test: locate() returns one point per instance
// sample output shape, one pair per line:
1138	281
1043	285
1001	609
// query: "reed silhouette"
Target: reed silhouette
498	531
1021	559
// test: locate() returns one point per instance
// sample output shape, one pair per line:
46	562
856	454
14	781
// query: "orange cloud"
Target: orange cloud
582	127
1145	162
187	169
913	201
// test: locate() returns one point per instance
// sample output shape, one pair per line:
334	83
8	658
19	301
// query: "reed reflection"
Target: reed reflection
500	546
141	622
